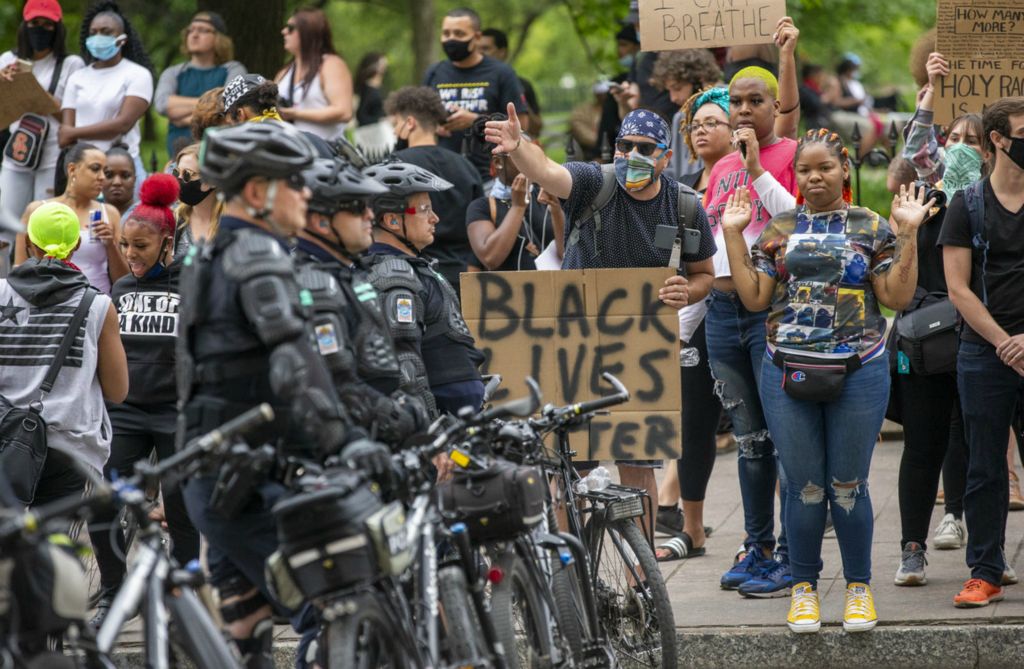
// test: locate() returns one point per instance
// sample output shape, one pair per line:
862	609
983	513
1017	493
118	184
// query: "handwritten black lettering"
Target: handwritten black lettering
647	363
603	326
601	365
661	437
571	383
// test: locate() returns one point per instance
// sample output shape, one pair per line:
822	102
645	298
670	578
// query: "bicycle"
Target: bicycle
176	623
631	600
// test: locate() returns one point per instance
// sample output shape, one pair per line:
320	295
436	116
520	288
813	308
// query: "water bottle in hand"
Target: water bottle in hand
689	356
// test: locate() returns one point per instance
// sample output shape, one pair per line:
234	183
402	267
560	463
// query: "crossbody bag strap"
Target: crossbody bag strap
55	79
69	339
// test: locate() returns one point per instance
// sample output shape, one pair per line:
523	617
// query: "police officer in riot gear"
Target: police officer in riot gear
351	333
419	304
245	337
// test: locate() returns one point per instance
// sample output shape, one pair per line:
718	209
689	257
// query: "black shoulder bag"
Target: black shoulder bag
23	431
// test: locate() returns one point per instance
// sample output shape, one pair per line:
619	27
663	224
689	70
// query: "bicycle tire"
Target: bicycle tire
570	609
366	638
639	623
465	634
193	632
519	615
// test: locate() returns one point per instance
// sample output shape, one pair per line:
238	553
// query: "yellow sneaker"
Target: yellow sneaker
804	614
860	613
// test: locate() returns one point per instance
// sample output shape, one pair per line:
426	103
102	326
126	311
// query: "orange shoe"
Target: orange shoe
977	593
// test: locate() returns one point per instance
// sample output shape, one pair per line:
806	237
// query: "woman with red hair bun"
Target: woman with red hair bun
147	301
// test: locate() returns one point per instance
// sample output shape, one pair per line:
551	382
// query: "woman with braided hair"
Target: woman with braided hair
104	101
823	269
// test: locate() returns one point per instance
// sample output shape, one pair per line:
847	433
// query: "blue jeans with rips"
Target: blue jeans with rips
826	449
736	344
989	391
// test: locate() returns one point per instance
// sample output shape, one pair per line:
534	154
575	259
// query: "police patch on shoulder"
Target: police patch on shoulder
403	310
326	339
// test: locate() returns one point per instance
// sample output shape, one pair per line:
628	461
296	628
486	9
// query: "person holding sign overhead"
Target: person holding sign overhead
626	214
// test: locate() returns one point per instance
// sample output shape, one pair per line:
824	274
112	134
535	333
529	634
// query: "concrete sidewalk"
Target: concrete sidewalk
919	627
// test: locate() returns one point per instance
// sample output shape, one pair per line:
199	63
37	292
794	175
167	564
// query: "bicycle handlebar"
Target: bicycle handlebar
561	414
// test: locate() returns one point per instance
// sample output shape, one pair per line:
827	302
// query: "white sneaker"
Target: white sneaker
950	534
1010	576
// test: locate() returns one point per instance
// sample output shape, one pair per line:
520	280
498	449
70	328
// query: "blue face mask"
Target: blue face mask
500	191
157	270
103	47
627	60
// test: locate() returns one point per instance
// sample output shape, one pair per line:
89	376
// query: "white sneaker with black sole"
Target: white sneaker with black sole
950	534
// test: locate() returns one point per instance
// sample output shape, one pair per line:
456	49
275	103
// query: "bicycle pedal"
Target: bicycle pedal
597	655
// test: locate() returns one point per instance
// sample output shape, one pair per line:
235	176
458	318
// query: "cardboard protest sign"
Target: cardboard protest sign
21	96
564	328
982	40
666	25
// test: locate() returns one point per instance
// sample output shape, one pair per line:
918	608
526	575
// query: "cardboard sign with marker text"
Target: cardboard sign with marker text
666	25
982	40
564	328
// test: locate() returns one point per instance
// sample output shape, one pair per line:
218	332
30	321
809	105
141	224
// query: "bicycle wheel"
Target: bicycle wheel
366	638
193	634
632	601
465	637
519	615
570	610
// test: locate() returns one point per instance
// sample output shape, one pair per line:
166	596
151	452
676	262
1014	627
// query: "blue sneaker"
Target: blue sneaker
744	570
774	581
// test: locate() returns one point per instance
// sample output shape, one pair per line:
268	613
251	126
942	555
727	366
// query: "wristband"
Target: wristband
790	110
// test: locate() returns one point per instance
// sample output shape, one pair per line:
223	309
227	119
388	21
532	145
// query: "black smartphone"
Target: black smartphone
743	150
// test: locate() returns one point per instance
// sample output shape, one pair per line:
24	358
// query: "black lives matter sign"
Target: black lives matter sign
984	43
565	328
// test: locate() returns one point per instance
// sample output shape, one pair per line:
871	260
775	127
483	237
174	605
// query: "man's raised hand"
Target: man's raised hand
505	135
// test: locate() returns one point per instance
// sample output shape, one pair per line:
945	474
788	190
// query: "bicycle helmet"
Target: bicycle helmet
333	180
402	180
229	157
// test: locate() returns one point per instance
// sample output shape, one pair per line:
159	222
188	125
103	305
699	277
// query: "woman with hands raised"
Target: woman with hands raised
823	269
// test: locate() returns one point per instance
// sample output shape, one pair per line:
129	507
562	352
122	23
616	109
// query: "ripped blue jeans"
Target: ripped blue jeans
736	345
826	449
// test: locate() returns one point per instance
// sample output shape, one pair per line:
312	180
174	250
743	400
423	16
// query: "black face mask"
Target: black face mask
456	50
192	192
39	38
1016	152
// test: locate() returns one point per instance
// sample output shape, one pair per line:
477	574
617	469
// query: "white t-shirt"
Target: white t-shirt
96	95
43	71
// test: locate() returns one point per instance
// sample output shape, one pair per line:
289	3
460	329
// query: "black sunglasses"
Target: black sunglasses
644	148
357	207
295	181
290	27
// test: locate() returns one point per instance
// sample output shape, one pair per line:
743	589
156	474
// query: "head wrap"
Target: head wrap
237	88
963	167
54	228
716	96
646	124
754	72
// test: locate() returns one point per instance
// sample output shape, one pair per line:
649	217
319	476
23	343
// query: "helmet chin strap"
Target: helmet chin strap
404	238
264	213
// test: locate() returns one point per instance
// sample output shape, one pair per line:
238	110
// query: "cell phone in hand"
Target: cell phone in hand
743	150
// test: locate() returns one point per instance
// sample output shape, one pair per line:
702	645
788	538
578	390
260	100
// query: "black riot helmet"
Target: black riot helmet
229	157
335	182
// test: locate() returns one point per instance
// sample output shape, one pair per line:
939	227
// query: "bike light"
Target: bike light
458	528
495	575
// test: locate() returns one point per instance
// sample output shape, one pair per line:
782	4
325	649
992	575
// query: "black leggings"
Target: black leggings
701	410
125	451
931	426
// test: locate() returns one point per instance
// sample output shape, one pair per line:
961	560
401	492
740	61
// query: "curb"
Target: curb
942	645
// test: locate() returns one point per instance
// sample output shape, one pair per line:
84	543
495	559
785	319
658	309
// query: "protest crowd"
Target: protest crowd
281	257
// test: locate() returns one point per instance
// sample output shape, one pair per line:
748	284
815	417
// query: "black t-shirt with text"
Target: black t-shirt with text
451	245
536	229
1004	271
485	88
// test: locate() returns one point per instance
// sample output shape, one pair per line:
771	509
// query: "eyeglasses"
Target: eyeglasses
422	209
644	148
290	27
356	207
295	181
185	175
708	125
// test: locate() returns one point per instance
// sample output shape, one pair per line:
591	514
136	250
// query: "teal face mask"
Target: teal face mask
963	167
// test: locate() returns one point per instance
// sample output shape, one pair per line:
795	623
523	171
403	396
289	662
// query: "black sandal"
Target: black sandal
680	548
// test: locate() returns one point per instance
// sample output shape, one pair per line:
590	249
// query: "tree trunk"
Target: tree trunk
424	35
255	32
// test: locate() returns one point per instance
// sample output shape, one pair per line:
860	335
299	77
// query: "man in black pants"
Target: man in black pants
983	255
